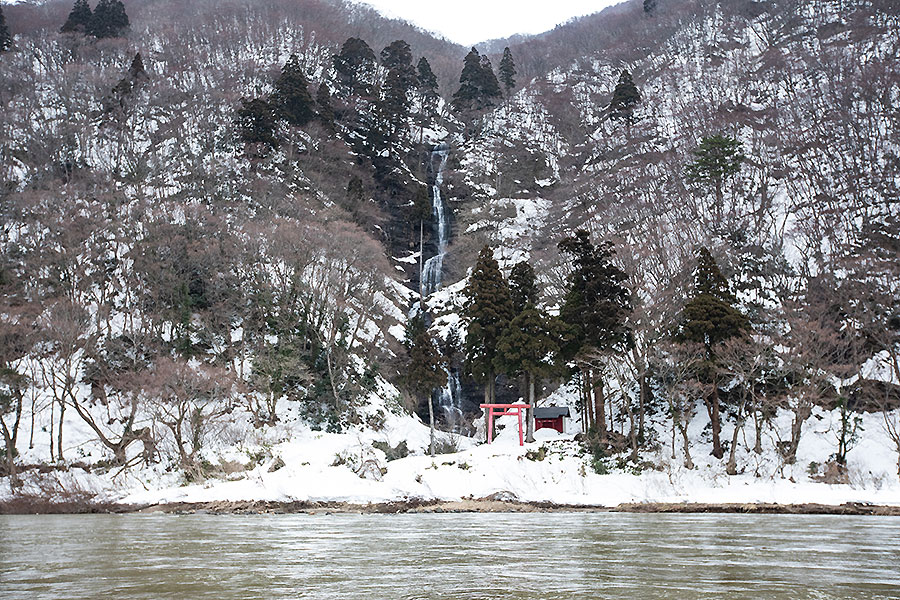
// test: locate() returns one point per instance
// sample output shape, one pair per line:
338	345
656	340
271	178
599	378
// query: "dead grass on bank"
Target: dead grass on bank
49	492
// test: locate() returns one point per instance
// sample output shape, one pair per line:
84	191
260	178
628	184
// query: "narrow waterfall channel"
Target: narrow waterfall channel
431	272
450	396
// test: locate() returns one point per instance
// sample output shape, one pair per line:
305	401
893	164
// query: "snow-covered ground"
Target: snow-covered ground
345	467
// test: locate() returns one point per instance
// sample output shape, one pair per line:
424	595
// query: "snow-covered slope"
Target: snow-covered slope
225	312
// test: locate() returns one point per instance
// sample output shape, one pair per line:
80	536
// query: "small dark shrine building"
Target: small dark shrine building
550	417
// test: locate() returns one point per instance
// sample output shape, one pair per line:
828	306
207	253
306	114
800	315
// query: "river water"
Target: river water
449	556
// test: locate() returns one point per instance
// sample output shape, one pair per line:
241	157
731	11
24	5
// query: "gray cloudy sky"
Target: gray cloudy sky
471	21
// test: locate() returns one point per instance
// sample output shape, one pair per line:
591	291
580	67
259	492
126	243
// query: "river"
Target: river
449	556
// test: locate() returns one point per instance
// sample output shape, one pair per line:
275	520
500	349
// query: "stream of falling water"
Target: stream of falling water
450	396
431	272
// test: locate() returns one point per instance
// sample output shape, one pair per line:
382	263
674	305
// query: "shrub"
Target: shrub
539	454
399	451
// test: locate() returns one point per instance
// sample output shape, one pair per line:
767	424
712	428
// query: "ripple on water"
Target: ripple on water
451	556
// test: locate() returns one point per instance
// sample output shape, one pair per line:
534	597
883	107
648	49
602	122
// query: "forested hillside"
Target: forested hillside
761	136
681	218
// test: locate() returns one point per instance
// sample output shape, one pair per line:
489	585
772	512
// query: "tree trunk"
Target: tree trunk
600	408
688	462
758	423
529	412
731	466
674	428
31	432
431	426
712	407
487	400
9	443
801	413
719	201
10	438
586	404
52	415
642	401
633	434
491	391
59	438
331	380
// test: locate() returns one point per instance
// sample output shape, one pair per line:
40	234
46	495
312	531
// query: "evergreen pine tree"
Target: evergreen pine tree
487	312
109	19
397	57
649	6
522	289
427	90
507	70
422	207
400	81
595	309
324	107
490	87
478	85
136	71
394	105
717	158
5	37
597	303
135	76
355	67
625	96
529	346
468	81
424	370
256	122
291	97
427	83
710	318
450	348
79	19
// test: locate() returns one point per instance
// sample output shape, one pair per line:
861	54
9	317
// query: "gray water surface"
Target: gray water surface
453	556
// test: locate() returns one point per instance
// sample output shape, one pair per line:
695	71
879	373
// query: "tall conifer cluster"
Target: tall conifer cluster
529	345
399	84
509	334
507	70
478	85
596	308
355	67
625	96
425	369
709	319
488	311
427	86
108	19
79	20
291	97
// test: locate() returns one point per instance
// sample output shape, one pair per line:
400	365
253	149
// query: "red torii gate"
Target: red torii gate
502	410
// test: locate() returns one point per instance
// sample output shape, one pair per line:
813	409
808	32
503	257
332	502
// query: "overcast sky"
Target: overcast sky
470	21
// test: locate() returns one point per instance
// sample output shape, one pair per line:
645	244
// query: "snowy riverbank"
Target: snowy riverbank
292	463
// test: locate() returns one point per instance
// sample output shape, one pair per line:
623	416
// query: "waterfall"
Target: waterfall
449	398
450	401
431	272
